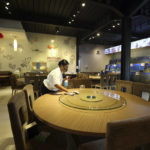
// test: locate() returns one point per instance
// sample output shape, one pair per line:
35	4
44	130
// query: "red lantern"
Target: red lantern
1	36
49	47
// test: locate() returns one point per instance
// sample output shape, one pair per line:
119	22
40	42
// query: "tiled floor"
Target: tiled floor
6	137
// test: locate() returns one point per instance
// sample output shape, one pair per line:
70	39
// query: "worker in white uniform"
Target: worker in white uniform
54	80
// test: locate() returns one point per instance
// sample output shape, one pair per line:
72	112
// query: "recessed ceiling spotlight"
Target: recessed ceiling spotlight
72	20
69	22
118	24
109	29
83	4
78	12
7	3
93	37
113	26
90	38
9	12
98	34
74	15
6	7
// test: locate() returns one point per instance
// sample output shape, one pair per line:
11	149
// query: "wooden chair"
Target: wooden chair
77	82
29	94
112	81
18	119
104	82
124	86
131	134
139	88
25	135
15	84
83	76
40	82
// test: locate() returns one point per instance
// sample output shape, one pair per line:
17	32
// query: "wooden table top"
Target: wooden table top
53	113
94	77
4	76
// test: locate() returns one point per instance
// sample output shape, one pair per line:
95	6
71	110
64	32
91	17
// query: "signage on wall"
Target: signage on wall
136	44
53	58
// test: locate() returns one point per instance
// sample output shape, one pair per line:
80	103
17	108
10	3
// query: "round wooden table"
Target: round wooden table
49	110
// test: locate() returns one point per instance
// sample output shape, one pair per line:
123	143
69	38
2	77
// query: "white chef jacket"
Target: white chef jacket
53	78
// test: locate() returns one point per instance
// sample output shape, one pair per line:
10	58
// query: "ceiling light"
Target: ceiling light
98	34
83	4
15	45
69	22
118	24
93	37
113	26
6	7
7	3
78	12
72	20
52	41
9	12
109	29
90	38
74	15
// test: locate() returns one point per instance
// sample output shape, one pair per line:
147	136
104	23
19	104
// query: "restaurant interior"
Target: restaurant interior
107	45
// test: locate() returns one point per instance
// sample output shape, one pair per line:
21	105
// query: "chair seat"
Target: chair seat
94	145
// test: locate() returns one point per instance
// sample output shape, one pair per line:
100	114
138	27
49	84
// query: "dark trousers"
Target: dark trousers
45	90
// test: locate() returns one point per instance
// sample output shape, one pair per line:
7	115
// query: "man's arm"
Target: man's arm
60	87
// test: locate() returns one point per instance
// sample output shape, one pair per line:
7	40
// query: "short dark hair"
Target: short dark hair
63	62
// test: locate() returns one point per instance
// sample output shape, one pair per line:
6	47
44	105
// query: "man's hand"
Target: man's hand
60	87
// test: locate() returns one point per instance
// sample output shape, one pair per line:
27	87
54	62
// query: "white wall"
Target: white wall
33	47
90	61
11	24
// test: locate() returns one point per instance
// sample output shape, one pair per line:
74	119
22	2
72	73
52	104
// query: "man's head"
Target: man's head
63	65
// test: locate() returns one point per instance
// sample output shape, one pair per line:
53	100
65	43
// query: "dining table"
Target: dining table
89	110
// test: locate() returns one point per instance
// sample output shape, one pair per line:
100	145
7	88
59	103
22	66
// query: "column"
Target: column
126	50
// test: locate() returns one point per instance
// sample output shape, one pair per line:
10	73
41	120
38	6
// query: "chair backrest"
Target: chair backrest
40	82
104	80
77	82
13	81
124	86
83	76
29	94
139	88
17	109
113	79
128	134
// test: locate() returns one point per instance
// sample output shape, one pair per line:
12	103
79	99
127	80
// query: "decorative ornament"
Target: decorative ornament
49	46
1	36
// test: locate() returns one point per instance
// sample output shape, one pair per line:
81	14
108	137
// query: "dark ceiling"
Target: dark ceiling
68	17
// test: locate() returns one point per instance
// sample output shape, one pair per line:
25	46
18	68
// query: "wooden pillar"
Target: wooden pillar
126	48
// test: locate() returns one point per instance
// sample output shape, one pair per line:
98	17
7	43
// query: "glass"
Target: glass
93	100
82	87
